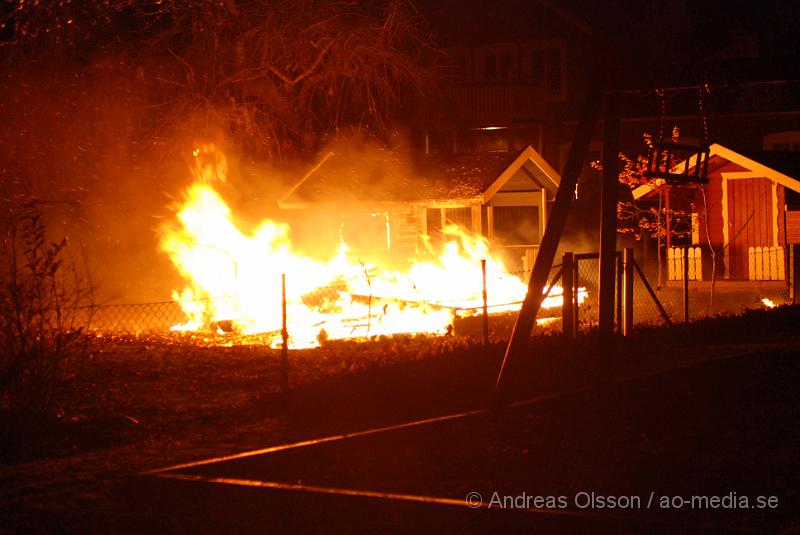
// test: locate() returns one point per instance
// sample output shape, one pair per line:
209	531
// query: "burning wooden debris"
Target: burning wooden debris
233	277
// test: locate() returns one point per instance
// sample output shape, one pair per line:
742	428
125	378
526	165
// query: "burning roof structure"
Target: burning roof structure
504	199
234	273
384	177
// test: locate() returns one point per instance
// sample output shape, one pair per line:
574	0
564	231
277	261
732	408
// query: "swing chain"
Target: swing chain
670	160
662	110
701	92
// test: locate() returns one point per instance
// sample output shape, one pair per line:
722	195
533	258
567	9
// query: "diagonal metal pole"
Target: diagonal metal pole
552	234
653	295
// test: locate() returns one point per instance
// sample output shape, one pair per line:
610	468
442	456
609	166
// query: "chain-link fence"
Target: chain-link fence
131	317
371	307
359	308
587	270
718	292
725	285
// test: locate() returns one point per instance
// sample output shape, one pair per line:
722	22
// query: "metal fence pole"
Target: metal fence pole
619	296
285	339
485	305
576	309
568	296
627	291
795	274
686	284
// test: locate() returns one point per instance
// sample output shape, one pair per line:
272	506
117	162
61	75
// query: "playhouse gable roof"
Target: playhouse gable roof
528	166
475	178
773	165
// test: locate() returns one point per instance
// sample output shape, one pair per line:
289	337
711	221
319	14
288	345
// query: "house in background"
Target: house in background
749	211
506	84
383	206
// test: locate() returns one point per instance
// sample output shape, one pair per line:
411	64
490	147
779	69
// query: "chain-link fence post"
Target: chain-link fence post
485	305
568	296
618	301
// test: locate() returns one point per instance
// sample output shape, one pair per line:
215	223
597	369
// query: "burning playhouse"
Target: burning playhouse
748	213
385	206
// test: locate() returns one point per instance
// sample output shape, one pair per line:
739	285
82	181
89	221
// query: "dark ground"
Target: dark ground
726	425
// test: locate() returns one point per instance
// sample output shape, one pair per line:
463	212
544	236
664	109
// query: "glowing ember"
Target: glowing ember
769	303
234	278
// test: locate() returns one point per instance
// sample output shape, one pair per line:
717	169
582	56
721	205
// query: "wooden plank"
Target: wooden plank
763	205
748	236
793	227
733	270
754	207
758	255
714	210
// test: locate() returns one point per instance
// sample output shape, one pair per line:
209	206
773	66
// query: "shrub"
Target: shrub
45	309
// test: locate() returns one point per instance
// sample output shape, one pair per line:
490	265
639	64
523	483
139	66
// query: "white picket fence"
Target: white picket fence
767	264
675	259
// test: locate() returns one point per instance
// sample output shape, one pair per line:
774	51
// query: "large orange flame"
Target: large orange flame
235	277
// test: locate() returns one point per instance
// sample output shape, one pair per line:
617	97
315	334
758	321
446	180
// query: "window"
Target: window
789	140
554	73
433	224
792	199
491	140
516	225
459	68
490	69
786	146
459	216
537	67
505	67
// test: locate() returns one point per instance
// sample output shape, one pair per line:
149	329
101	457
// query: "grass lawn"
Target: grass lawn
147	402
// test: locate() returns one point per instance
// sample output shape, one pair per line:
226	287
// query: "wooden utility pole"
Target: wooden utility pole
552	234
608	215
